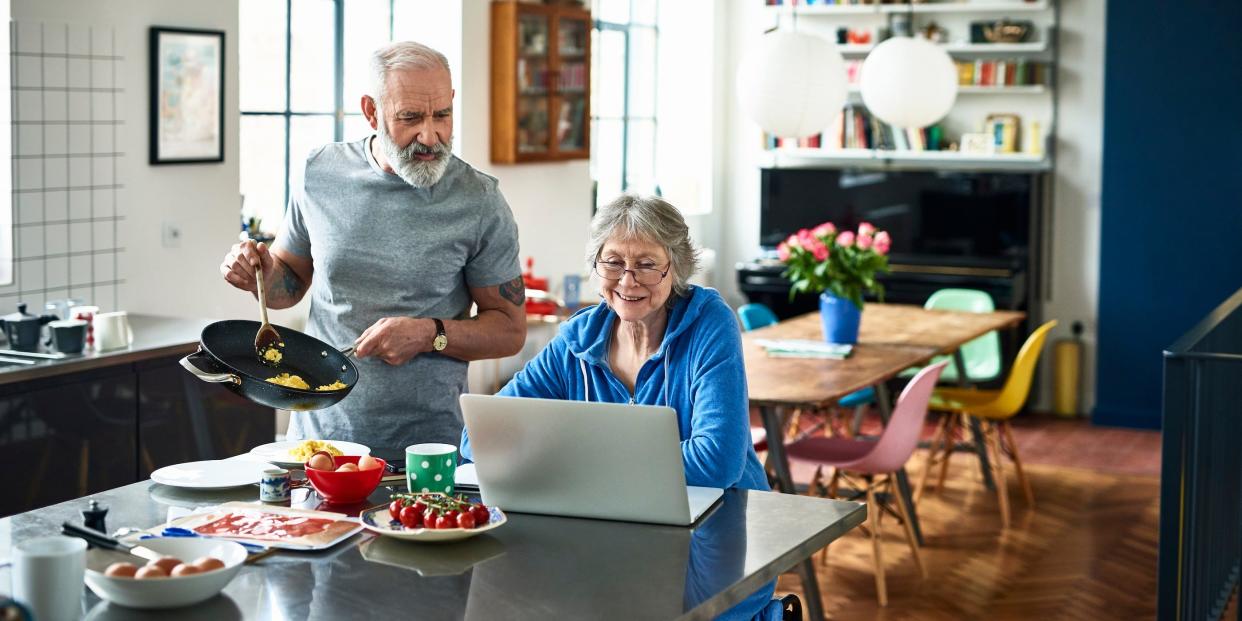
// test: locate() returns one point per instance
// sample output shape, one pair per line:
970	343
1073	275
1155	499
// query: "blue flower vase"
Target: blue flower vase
840	319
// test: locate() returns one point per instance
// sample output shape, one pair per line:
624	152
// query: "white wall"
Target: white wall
202	199
1074	253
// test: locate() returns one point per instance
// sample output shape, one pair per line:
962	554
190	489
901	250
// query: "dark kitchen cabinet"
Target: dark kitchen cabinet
66	437
71	435
184	419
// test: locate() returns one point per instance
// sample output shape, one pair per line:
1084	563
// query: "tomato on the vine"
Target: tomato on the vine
481	514
445	521
394	509
410	518
420	506
429	517
466	519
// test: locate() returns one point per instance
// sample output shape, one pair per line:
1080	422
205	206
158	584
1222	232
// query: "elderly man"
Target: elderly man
394	237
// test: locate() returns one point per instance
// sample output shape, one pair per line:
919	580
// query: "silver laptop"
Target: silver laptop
596	460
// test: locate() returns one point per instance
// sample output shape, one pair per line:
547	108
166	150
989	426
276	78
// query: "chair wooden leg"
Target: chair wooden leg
816	482
931	456
992	438
1017	465
907	525
950	440
791	429
873	515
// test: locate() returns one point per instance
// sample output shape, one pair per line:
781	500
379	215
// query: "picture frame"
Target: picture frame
187	96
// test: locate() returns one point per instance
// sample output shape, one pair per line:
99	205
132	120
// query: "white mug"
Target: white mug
112	331
48	574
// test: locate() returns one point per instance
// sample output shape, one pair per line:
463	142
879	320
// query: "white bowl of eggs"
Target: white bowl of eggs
193	569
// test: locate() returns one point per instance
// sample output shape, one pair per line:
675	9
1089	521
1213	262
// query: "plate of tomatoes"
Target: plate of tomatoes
431	516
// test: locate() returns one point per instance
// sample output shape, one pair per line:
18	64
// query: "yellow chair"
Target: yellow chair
994	408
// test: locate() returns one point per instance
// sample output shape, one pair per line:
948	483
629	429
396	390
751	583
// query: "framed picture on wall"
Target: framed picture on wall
187	96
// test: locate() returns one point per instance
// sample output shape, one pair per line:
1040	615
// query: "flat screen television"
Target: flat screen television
947	218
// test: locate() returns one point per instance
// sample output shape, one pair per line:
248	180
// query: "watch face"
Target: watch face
440	342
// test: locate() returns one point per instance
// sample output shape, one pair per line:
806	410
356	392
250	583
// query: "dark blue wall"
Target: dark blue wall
1171	198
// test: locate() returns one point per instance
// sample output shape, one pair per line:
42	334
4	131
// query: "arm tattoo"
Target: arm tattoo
288	284
514	291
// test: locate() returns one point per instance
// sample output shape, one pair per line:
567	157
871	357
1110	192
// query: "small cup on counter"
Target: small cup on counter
112	331
274	485
87	314
68	336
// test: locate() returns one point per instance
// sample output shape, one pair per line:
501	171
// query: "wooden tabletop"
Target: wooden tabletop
892	338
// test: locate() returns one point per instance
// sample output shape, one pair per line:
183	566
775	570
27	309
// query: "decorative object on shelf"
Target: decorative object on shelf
187	95
908	82
1004	131
934	32
841	267
792	84
978	143
1034	142
1001	31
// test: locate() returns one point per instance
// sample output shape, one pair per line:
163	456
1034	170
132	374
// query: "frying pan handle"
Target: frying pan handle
214	378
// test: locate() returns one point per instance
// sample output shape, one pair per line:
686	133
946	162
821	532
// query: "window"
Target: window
302	91
654	101
623	98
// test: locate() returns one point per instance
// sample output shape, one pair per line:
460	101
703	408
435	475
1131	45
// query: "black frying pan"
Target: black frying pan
226	356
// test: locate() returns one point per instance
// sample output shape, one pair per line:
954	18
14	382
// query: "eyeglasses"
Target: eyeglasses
612	270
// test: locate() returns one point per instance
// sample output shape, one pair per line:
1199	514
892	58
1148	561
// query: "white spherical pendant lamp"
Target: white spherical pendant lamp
792	84
908	83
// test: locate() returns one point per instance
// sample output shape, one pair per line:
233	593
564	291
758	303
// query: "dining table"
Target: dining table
531	567
892	338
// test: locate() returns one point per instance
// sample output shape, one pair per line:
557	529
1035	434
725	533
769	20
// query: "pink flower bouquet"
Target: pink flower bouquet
841	263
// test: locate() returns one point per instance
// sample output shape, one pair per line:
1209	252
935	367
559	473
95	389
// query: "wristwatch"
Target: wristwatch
441	340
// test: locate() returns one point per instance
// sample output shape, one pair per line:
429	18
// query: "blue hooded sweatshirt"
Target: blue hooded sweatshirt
697	370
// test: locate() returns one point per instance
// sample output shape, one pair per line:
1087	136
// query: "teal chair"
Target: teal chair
755	316
982	356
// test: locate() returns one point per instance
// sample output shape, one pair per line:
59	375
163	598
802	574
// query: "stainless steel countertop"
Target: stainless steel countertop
533	567
154	337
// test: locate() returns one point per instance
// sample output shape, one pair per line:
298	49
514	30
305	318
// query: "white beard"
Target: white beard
416	172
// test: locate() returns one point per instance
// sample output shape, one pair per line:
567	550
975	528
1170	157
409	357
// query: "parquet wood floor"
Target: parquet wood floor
1087	551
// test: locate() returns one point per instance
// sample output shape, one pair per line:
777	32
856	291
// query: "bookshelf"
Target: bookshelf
993	89
541	64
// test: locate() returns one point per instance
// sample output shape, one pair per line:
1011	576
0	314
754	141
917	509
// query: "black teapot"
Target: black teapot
23	329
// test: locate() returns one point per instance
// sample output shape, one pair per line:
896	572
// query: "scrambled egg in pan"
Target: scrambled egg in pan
296	381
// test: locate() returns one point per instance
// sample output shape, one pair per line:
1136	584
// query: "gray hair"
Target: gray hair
647	218
401	55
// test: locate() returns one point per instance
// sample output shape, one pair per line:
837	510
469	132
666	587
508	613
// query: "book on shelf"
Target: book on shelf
1009	72
805	348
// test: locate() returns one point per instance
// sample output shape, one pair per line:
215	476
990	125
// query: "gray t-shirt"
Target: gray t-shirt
383	248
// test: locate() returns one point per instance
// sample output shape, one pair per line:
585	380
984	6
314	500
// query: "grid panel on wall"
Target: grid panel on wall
66	121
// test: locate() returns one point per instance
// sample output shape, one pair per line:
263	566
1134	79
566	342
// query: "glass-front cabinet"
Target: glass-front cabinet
541	59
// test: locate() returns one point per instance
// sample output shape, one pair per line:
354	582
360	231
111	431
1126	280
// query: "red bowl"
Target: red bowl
346	487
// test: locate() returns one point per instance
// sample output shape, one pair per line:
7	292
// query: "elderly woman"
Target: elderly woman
656	340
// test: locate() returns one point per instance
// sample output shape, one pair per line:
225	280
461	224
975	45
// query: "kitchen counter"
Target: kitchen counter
154	337
532	567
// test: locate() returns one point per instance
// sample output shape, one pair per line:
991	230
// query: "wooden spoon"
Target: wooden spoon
268	345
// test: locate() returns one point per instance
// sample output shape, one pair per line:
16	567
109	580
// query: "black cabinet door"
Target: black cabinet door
65	438
182	418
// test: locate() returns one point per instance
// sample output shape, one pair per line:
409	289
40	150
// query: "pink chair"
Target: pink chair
873	460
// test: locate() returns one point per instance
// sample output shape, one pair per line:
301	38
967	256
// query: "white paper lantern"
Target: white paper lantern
908	83
792	84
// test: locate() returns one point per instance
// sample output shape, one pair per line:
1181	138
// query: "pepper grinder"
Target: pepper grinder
94	517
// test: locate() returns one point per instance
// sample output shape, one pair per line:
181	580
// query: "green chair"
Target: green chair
982	356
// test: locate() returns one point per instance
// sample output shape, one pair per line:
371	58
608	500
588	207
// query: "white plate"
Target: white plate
377	520
278	452
212	474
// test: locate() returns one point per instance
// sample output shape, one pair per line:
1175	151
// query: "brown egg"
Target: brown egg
348	468
166	564
366	462
321	460
209	563
185	569
150	571
121	570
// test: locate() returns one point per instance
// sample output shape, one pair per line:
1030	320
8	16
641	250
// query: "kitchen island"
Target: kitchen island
532	567
89	422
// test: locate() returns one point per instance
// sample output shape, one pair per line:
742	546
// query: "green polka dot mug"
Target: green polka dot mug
430	467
